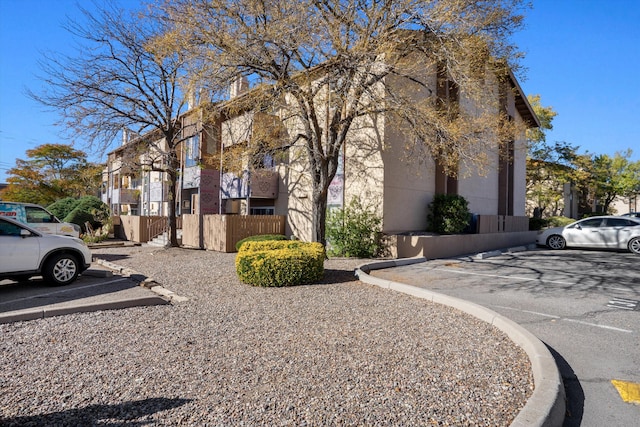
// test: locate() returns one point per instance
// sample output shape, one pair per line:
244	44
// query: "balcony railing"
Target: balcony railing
129	197
262	184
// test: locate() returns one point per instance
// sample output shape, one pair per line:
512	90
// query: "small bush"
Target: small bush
537	223
448	214
260	238
355	231
280	263
560	221
95	237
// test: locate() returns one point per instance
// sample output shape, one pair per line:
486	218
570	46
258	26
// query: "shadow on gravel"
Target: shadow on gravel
135	413
111	257
572	389
332	277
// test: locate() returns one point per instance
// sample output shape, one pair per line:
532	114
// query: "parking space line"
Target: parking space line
65	290
612	328
552	316
529	279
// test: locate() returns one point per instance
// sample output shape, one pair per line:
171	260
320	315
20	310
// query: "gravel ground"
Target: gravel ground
336	353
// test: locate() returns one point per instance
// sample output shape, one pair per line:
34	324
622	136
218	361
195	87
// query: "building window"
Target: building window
262	211
192	151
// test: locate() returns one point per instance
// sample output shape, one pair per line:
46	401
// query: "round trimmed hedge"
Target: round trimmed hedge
260	238
280	263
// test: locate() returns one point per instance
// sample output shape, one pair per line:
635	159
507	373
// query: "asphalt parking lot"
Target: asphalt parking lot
584	305
98	288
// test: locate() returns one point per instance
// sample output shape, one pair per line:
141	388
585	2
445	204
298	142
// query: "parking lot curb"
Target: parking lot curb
546	406
34	314
97	273
144	281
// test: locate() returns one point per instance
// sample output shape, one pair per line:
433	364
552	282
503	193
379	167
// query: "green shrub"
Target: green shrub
355	231
260	238
63	207
448	214
560	221
89	209
95	237
280	263
537	223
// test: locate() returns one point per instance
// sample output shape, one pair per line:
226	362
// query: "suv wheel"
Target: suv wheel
61	269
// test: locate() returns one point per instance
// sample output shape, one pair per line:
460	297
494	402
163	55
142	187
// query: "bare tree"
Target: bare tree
120	78
353	56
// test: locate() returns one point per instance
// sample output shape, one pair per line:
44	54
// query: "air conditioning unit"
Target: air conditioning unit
186	204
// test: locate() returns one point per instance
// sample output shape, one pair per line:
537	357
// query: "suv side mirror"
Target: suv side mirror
24	233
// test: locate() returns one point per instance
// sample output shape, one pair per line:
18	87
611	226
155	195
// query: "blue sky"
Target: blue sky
583	58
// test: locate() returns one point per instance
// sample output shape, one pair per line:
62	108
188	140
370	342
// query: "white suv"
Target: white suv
25	252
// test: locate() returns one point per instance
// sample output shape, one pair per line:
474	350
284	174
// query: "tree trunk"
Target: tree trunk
325	171
171	195
319	214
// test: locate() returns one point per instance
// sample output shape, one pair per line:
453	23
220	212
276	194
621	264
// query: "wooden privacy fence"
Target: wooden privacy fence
222	232
214	232
502	224
191	231
135	228
141	229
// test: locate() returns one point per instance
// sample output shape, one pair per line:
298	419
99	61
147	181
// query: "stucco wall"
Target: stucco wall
237	129
296	192
481	191
433	247
408	187
409	184
364	169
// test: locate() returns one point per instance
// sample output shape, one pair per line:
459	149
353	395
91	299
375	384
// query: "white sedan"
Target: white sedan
599	232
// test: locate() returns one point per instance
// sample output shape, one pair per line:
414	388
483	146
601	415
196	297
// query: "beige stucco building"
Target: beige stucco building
374	166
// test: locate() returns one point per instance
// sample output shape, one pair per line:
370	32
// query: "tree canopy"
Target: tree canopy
548	166
52	172
598	179
307	54
605	178
119	80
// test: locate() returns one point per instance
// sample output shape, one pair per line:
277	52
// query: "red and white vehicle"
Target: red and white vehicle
38	218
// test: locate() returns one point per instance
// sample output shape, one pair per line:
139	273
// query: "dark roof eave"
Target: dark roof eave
522	104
